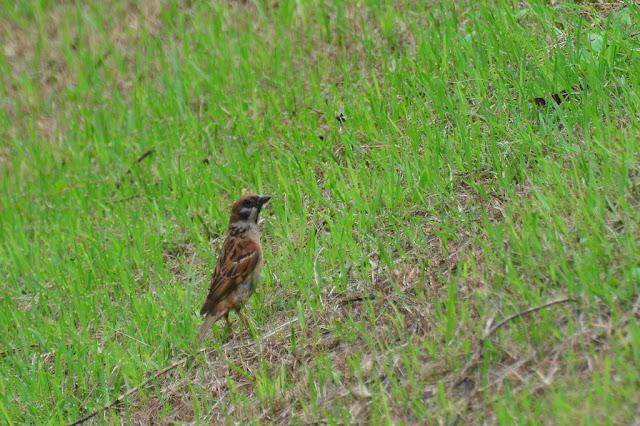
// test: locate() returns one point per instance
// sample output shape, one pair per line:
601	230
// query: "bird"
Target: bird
239	264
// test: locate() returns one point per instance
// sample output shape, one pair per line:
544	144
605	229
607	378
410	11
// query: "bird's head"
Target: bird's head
247	208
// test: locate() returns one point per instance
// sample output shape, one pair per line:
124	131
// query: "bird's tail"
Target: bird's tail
205	328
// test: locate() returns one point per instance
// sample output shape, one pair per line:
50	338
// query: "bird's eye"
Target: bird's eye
247	202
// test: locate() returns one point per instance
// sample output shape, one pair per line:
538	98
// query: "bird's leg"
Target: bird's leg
226	317
232	333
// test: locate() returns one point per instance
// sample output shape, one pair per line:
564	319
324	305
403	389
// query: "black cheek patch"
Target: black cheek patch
244	214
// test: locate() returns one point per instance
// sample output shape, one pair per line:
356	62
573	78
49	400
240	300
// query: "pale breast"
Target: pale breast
243	293
245	289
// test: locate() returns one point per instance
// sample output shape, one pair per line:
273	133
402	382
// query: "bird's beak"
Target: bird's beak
262	199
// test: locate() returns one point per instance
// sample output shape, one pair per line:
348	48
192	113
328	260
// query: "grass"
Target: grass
419	195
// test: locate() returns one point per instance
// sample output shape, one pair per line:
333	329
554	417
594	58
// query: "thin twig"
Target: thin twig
489	331
357	298
526	312
4	354
128	172
136	388
479	352
467	393
317	111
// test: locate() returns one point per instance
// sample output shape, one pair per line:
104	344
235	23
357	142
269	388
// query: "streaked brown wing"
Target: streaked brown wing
237	260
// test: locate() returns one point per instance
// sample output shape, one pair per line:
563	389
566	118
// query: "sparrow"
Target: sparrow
239	264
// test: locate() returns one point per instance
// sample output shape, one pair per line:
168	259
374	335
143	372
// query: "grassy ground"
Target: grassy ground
421	194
